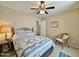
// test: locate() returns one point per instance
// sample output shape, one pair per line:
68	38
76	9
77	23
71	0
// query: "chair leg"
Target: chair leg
55	41
62	45
67	43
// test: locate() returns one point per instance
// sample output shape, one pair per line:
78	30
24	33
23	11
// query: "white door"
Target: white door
43	27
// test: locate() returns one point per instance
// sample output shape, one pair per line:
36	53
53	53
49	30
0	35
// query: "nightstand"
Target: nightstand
7	49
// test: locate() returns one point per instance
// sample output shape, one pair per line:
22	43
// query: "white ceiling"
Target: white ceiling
24	6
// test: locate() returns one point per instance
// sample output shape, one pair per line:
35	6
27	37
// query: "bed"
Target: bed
28	44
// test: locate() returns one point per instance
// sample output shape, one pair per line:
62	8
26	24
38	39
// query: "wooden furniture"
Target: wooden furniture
9	49
6	40
62	38
6	37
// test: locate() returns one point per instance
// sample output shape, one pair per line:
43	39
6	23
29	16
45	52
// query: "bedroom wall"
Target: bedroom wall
68	22
16	18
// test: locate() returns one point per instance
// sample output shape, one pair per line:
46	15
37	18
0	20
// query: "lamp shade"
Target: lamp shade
7	31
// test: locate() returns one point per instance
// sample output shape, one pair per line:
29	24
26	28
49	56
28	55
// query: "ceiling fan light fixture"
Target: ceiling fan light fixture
42	8
42	12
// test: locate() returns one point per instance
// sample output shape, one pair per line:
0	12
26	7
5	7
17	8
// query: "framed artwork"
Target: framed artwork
54	24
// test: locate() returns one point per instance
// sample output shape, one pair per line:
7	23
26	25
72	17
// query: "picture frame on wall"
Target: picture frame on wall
54	24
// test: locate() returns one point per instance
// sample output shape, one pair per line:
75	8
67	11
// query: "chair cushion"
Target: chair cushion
60	40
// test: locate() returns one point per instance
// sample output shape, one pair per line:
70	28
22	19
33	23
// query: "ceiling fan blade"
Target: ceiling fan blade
38	12
50	7
35	8
46	12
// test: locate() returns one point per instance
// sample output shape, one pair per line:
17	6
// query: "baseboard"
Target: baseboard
72	45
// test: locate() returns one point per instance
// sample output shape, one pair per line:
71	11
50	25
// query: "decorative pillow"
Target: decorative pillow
30	34
65	36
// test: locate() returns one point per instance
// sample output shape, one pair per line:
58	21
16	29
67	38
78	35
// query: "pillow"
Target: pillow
29	34
29	31
24	29
19	31
65	36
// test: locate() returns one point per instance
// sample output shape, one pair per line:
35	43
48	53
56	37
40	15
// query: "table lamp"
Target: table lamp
6	31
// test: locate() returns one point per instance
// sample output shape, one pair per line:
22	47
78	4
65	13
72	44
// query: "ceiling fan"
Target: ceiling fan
42	8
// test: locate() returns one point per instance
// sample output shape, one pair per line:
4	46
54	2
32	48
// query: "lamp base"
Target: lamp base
8	39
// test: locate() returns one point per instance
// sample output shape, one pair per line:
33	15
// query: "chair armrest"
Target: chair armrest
58	36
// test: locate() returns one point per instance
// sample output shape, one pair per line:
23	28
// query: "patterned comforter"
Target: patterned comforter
32	45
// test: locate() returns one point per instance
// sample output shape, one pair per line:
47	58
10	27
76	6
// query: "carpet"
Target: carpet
61	54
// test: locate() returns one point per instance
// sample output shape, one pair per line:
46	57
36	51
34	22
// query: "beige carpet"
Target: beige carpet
73	52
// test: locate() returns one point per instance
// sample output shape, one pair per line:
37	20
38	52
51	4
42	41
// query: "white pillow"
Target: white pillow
19	31
65	36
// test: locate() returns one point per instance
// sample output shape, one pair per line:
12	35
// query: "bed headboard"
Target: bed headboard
25	29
